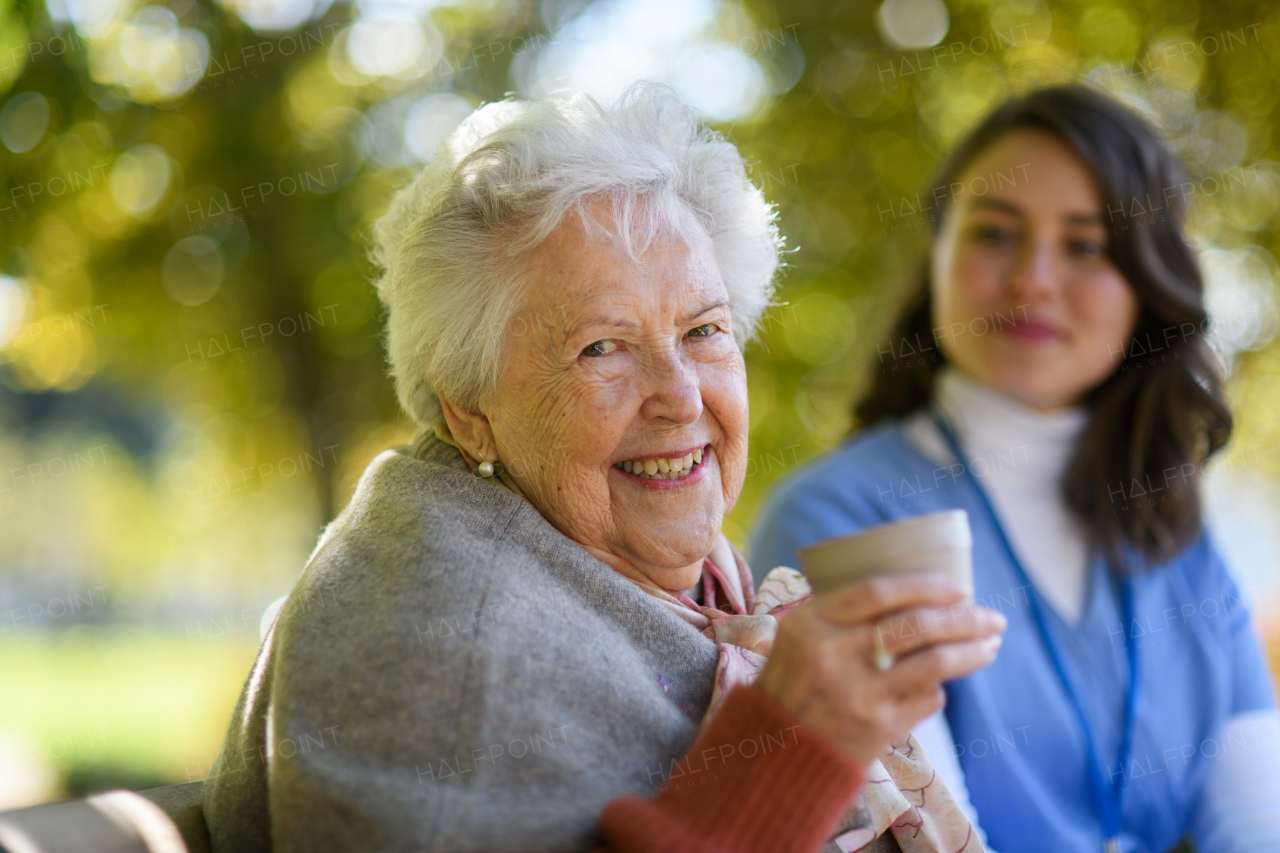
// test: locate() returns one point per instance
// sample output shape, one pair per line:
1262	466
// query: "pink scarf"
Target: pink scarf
903	793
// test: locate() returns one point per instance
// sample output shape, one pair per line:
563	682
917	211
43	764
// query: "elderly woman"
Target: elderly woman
513	635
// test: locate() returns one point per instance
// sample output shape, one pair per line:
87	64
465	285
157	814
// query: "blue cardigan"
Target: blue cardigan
1017	738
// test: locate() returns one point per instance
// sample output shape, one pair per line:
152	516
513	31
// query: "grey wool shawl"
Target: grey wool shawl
451	673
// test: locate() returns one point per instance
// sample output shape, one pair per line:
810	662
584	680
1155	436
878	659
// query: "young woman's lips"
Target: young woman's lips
690	476
1032	332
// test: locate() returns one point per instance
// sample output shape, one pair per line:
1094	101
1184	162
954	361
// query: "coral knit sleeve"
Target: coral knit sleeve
754	780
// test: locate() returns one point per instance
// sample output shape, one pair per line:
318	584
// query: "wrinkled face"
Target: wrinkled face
622	409
1025	298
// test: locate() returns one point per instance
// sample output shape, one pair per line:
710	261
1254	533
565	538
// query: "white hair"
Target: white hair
451	244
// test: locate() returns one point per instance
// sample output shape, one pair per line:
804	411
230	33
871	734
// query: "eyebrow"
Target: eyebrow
601	320
719	303
1013	209
988	203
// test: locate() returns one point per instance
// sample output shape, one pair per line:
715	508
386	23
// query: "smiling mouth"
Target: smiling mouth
665	468
1033	332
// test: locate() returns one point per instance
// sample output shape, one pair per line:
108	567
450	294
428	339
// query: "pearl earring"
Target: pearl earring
485	469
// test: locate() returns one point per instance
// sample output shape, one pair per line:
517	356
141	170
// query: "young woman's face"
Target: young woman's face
1025	298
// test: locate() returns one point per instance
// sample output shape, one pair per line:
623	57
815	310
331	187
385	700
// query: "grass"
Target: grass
121	708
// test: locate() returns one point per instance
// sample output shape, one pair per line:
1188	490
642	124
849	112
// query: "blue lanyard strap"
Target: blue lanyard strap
1108	793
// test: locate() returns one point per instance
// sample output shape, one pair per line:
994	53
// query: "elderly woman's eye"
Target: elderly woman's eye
703	331
600	348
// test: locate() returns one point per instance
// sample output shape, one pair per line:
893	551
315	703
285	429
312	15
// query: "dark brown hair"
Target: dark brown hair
1132	479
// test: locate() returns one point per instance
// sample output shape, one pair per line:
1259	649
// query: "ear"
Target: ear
472	431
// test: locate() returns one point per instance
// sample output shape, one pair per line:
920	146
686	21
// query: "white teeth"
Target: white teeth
663	469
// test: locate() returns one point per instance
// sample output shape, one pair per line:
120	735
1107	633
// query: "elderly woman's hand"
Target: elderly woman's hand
821	669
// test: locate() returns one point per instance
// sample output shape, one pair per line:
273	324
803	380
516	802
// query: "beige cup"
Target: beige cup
940	542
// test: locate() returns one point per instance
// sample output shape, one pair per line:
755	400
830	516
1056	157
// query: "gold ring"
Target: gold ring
881	659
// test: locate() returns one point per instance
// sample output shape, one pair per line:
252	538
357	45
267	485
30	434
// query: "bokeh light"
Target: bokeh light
913	24
392	43
89	17
277	15
151	55
193	270
615	42
139	178
23	121
13	306
431	120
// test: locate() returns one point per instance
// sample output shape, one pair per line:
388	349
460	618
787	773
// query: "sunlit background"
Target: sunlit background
190	374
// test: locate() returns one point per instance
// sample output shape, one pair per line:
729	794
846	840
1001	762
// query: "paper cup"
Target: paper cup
940	542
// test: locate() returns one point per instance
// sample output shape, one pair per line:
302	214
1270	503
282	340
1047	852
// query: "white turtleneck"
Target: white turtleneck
1020	455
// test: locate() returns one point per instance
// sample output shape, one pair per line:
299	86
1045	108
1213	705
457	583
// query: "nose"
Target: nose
672	391
1034	273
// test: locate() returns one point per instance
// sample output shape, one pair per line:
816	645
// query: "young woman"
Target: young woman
1051	377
